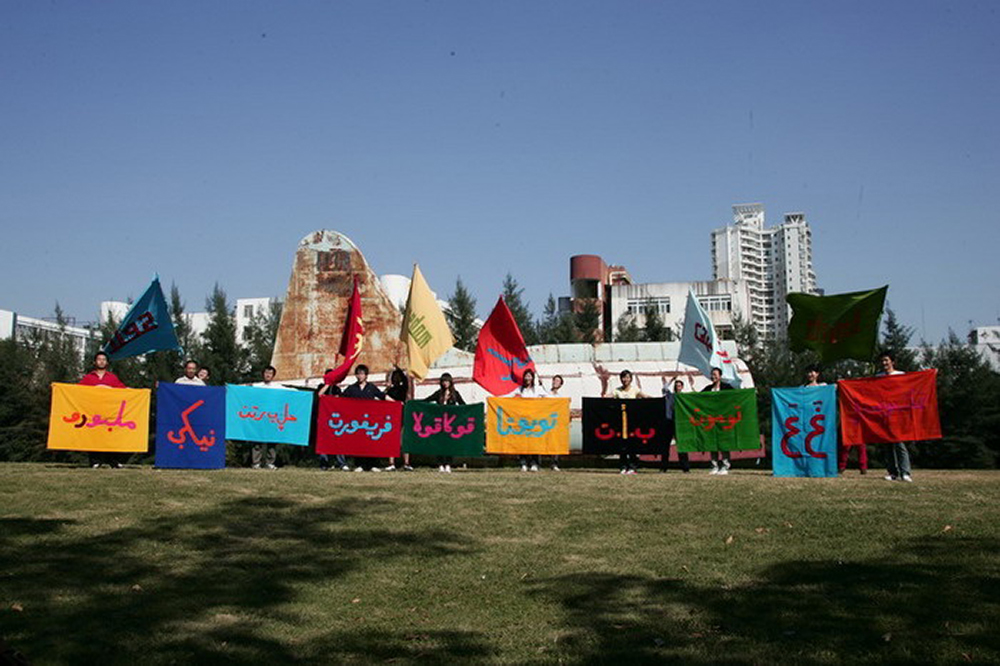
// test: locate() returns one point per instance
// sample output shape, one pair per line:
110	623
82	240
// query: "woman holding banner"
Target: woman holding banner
399	390
720	459
627	391
528	389
445	395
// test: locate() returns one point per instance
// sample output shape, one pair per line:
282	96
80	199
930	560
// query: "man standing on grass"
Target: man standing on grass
101	376
897	456
361	389
190	376
266	452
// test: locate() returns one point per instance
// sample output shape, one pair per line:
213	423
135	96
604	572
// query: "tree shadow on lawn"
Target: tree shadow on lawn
194	588
931	600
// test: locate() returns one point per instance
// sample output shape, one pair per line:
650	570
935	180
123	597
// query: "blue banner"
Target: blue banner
146	328
190	426
804	431
263	414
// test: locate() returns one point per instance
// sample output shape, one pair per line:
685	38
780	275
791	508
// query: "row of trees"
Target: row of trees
29	366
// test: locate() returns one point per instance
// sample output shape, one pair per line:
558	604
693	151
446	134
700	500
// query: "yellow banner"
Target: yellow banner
527	426
98	418
425	330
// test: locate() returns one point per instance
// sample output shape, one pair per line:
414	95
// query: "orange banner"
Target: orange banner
99	419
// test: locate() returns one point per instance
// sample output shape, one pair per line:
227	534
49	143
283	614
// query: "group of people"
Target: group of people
264	455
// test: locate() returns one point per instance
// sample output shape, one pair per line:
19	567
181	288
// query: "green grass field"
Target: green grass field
239	566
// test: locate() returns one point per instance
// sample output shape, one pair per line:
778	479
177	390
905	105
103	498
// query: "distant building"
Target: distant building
591	280
32	329
722	299
772	262
986	340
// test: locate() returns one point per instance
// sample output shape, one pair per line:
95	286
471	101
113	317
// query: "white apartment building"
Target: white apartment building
722	299
986	340
30	329
772	262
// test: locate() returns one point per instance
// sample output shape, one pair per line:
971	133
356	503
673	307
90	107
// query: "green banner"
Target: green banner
717	421
838	326
443	430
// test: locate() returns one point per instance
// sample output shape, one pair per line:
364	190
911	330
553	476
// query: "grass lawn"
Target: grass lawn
141	566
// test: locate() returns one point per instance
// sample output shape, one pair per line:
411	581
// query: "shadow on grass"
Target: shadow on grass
933	600
195	587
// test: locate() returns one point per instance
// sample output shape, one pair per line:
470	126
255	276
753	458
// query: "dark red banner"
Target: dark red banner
351	427
894	408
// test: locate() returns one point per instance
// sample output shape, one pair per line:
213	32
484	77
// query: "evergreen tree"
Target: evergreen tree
220	350
627	329
513	295
655	330
259	338
895	339
587	321
556	327
461	316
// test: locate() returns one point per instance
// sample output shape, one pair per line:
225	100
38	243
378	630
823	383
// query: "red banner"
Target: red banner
352	341
501	355
894	408
352	427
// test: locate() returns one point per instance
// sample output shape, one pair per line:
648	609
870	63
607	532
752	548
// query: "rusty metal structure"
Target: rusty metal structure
312	320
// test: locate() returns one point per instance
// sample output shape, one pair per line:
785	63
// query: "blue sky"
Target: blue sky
203	140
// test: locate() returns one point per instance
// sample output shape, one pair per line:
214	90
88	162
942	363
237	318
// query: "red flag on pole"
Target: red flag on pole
353	340
894	408
501	355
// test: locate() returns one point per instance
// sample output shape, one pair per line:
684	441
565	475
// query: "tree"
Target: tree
627	329
588	321
513	295
555	327
461	316
219	348
896	339
259	337
655	330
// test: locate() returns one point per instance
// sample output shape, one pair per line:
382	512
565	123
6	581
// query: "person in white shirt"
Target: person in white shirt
719	459
554	388
190	374
627	391
528	389
897	456
265	451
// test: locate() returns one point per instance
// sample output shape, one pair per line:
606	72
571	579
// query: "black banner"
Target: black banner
611	425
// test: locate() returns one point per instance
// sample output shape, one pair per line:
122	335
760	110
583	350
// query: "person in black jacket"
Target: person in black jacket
399	390
445	395
363	390
720	459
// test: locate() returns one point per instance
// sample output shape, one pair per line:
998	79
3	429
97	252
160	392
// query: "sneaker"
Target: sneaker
447	469
726	465
116	465
715	468
555	468
623	471
95	466
359	469
407	468
390	468
440	468
907	478
889	477
269	466
345	468
723	471
376	469
524	468
255	466
629	471
534	468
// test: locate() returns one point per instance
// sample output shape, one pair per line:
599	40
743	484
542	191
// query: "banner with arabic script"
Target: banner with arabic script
262	414
352	427
894	408
99	419
443	430
190	426
804	431
147	326
717	421
527	426
611	426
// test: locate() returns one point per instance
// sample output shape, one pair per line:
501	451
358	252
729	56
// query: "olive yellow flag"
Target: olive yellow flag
96	418
425	330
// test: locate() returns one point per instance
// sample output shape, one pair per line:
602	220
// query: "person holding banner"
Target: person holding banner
190	376
682	458
203	374
528	389
554	388
446	394
897	456
101	376
265	451
362	389
399	390
324	460
720	459
627	391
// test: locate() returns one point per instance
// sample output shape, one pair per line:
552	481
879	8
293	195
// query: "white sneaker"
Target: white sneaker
907	478
95	466
345	468
376	469
440	468
630	471
534	468
623	471
447	469
726	465
555	468
723	471
715	468
359	469
524	468
257	466
889	477
407	468
269	466
390	468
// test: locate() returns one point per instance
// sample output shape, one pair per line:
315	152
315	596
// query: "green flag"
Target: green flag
717	421
838	326
443	430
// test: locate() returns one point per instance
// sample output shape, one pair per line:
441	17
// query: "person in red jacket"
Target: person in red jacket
101	376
